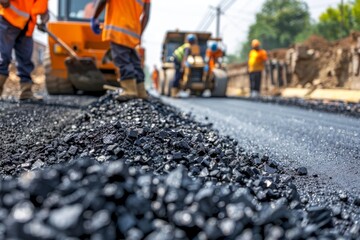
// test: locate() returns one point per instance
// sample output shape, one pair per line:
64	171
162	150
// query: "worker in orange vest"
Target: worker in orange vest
256	65
125	22
213	56
155	78
17	24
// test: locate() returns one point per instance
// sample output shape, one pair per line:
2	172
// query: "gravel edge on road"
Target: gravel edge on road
338	107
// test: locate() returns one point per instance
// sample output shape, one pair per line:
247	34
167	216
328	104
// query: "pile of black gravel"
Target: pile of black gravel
349	109
89	200
158	175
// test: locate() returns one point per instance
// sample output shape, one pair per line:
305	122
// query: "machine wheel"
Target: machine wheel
56	85
220	83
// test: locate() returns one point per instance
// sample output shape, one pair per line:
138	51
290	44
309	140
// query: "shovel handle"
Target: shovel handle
71	52
111	88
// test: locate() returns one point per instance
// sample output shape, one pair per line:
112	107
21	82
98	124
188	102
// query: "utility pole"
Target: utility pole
218	15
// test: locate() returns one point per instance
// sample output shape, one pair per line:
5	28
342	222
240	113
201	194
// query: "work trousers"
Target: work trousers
15	38
178	73
255	81
128	61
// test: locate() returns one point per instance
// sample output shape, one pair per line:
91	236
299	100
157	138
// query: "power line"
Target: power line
230	3
209	22
204	20
224	3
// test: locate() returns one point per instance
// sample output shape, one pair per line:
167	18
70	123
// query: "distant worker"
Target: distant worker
180	59
17	24
256	66
125	22
213	56
155	78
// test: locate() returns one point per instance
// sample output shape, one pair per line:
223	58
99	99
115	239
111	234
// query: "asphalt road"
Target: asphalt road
327	144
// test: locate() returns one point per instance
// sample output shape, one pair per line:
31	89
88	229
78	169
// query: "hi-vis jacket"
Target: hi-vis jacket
23	12
212	58
257	59
123	22
179	53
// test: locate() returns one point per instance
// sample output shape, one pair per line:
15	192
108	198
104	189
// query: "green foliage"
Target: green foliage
336	23
356	14
278	24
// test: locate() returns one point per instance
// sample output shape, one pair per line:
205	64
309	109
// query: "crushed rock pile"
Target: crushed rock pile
142	169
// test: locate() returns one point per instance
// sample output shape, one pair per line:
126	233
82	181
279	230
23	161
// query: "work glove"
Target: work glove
187	64
95	26
42	27
5	3
206	68
45	18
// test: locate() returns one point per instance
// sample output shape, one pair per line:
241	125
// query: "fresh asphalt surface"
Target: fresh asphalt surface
327	144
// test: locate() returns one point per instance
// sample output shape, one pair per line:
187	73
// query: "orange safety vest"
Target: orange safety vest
213	56
257	59
23	12
122	22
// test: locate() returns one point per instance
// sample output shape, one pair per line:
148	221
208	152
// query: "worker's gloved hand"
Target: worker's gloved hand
187	64
95	26
45	18
42	27
206	68
5	3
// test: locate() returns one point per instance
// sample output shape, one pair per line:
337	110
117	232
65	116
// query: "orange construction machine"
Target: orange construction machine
77	59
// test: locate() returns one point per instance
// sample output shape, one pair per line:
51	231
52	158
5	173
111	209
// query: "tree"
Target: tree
278	24
336	23
356	14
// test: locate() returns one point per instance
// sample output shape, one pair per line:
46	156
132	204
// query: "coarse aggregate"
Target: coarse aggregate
144	170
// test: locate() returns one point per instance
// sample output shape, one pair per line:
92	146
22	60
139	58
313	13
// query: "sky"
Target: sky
186	15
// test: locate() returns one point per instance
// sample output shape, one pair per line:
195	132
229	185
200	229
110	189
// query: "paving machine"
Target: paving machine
194	78
77	59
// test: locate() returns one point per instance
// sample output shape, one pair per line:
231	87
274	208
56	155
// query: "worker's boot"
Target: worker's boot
27	94
141	91
129	90
174	92
2	82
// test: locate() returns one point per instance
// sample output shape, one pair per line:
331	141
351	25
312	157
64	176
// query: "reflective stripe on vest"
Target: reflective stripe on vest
16	17
180	51
19	12
122	30
140	2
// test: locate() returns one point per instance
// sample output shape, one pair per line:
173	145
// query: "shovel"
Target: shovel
82	71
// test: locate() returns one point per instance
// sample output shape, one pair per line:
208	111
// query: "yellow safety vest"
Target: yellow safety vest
180	51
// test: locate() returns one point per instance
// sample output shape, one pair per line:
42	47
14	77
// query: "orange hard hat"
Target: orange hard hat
255	43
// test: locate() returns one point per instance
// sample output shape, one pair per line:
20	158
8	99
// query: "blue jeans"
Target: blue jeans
128	61
178	73
15	38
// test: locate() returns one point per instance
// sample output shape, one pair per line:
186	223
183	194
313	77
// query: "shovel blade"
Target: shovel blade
84	74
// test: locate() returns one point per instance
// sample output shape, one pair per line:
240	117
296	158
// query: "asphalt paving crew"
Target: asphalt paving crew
213	56
180	60
17	24
256	65
125	22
